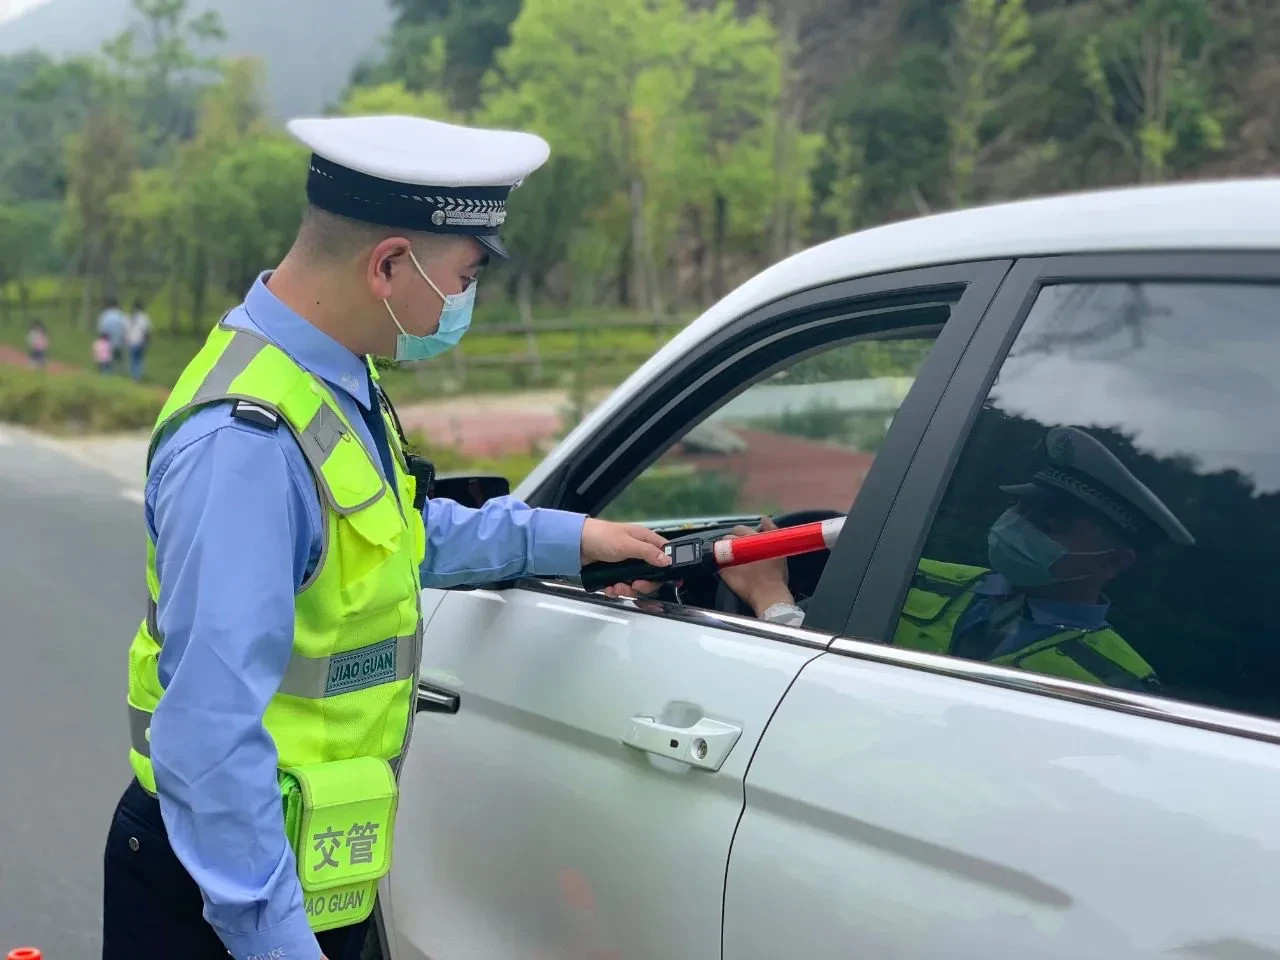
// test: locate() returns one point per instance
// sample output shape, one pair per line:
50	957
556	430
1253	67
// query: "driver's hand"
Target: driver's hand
640	588
759	585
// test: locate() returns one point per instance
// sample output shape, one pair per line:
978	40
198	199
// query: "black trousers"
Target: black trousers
151	908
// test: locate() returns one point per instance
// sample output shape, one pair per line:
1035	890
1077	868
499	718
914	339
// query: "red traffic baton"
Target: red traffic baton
691	556
24	953
777	544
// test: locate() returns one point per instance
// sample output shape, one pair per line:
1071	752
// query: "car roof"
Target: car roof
1216	215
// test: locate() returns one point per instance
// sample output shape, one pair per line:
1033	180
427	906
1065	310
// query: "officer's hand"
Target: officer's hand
611	542
606	542
762	584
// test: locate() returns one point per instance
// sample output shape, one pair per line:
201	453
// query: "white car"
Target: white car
677	778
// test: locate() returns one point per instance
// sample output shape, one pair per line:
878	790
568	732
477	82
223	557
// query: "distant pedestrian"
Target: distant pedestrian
37	343
111	324
137	334
103	353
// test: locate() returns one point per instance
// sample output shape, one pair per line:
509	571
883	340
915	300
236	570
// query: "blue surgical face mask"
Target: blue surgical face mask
455	318
1024	554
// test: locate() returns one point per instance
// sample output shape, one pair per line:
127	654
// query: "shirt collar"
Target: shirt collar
312	348
1060	613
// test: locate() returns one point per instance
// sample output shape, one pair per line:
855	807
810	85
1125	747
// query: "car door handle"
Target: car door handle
436	700
704	745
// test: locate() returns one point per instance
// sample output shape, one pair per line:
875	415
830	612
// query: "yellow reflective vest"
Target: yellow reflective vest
348	690
940	594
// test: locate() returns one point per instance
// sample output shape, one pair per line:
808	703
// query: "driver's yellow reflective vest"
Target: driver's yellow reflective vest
348	690
940	594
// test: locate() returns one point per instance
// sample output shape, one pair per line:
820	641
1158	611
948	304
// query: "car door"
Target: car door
957	808
576	769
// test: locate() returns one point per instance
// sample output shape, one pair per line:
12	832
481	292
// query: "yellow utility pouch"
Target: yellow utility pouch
339	818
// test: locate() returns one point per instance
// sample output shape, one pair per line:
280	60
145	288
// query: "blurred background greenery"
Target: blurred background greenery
693	143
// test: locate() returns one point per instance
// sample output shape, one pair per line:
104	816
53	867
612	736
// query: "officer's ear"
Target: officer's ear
385	260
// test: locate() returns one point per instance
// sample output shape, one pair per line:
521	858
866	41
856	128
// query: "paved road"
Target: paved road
71	555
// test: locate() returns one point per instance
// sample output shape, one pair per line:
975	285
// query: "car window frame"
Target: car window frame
875	610
648	427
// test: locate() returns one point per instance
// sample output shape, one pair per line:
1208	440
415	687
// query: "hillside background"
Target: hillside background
694	142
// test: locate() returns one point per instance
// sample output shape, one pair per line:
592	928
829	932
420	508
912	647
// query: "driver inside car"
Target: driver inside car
1079	523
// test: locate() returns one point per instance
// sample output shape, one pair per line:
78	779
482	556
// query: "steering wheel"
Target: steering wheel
803	571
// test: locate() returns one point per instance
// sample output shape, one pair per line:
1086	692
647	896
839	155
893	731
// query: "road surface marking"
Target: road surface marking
135	495
5	440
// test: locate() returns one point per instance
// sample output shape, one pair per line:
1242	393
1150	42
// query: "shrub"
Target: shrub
76	402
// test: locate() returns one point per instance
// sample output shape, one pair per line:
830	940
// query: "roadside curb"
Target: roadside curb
121	456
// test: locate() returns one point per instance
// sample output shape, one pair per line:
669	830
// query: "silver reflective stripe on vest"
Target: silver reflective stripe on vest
315	678
153	622
321	435
233	361
139	725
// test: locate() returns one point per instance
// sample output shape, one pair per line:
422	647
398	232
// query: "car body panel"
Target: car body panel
899	805
934	817
527	827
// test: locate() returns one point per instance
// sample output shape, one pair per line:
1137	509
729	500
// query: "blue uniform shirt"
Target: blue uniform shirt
236	519
1040	618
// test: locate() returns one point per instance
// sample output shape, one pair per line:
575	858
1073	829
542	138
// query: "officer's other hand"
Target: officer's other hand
760	585
607	542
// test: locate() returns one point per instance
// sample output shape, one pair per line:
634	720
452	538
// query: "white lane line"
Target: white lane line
134	495
5	439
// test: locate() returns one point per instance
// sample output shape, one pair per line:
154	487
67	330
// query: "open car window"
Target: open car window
803	437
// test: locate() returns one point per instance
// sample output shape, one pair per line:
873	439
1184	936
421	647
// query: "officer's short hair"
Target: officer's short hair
327	236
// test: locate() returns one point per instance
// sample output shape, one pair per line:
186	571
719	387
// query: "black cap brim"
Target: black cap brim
493	243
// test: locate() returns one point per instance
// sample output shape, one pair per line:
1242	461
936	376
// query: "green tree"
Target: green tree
249	200
157	64
469	33
24	234
1149	67
886	127
990	48
654	113
42	102
223	207
397	98
101	160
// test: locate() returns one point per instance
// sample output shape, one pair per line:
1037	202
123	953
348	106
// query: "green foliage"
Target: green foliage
671	492
1149	69
990	48
681	106
154	64
471	32
829	424
693	143
863	360
76	403
26	232
889	126
396	98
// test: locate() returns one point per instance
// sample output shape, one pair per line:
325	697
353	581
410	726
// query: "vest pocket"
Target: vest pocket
340	818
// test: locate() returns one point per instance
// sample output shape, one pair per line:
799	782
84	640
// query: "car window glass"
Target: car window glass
802	438
1114	517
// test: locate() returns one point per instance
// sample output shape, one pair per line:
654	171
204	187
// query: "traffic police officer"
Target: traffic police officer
1076	525
272	680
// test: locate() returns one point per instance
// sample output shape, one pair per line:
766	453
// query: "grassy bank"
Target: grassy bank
76	402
